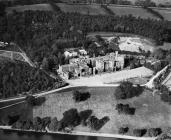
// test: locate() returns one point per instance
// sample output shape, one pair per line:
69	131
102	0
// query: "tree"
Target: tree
96	124
127	90
53	126
84	115
70	118
139	132
80	96
154	132
123	130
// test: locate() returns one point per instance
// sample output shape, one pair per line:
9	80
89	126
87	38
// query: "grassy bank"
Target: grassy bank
150	110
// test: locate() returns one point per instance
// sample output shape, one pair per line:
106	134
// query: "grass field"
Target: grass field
41	7
166	13
93	9
83	9
137	12
150	111
155	1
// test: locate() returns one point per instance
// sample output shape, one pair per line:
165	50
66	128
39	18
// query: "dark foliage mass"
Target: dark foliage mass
165	95
53	125
125	109
157	66
19	78
154	132
96	124
139	132
127	90
71	118
80	96
43	35
84	115
123	130
31	100
13	119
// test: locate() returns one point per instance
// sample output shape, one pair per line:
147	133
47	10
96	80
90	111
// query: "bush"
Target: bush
84	115
28	124
33	101
127	90
78	96
23	124
96	124
70	118
154	132
18	125
139	132
46	121
39	101
125	109
13	119
53	125
37	122
123	130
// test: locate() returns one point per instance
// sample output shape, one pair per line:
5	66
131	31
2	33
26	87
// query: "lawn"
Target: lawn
150	110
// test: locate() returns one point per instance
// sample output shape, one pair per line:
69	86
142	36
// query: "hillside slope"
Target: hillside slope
18	78
92	9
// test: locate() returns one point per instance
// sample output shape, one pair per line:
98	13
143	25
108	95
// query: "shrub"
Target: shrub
96	124
84	115
39	101
28	124
125	109
46	121
123	130
37	122
139	132
154	132
127	90
30	100
33	101
70	118
18	125
53	125
13	119
78	96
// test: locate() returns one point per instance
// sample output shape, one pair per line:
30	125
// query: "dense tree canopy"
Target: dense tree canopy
18	77
45	34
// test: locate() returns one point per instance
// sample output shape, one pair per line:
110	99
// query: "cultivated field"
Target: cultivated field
41	7
93	9
156	1
83	9
150	111
137	12
166	13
